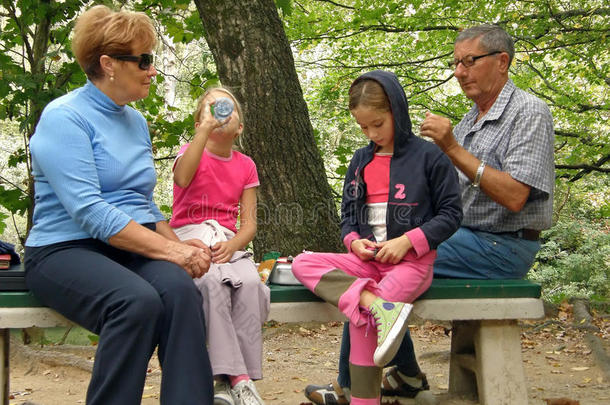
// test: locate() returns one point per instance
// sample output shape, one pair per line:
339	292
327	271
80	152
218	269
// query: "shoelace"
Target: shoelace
372	320
246	394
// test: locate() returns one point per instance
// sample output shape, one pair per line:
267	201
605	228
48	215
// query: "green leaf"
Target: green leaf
2	224
285	6
14	201
17	157
94	339
166	209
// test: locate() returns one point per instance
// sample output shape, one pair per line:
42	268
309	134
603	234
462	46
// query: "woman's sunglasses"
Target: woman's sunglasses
144	60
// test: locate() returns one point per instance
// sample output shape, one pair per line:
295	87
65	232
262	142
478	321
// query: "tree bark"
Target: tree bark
296	210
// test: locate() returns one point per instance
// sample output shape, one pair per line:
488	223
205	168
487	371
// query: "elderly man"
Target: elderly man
503	150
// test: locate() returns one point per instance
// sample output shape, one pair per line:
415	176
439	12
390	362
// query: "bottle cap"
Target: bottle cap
222	108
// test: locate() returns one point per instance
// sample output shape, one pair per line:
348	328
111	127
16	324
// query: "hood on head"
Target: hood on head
398	104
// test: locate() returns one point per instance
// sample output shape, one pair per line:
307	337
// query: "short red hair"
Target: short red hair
102	31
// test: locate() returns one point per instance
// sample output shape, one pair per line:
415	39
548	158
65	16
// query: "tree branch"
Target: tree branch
564	15
16	187
586	169
580	107
585	139
602	11
22	30
336	4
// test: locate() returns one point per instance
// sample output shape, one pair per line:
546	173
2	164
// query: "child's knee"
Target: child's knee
301	263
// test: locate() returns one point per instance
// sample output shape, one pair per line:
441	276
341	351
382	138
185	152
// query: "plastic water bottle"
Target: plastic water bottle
222	109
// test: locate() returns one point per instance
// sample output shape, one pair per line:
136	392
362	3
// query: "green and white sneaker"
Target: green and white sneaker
391	323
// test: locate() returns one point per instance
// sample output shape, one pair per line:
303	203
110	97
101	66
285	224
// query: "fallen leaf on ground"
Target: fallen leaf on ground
561	401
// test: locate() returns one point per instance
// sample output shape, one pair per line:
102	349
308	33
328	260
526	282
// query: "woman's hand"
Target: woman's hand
364	249
393	250
193	256
197	243
222	252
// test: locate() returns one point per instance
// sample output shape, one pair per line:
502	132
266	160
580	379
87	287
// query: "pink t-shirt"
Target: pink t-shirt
377	178
215	190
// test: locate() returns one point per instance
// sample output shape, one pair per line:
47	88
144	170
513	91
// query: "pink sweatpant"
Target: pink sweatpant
340	278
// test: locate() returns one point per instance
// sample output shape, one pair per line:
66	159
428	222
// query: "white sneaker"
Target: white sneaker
223	394
245	393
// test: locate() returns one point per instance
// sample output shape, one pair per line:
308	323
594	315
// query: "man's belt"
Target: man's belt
527	234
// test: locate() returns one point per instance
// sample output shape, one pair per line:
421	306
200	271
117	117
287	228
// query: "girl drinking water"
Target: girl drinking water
213	185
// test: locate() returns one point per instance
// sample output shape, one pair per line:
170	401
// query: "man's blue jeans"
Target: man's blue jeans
466	254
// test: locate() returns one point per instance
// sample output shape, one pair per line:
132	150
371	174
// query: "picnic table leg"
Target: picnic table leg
4	367
462	381
500	375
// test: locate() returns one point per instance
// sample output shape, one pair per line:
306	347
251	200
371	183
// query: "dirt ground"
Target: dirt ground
558	362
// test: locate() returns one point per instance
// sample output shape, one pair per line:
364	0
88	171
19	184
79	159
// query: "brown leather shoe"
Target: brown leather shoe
392	385
330	394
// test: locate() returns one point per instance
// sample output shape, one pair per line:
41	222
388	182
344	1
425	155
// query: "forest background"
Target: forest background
290	64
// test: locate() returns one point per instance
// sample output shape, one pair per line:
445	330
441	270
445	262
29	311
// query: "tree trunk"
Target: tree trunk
296	209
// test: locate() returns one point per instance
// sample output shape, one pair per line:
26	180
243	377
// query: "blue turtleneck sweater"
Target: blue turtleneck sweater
93	169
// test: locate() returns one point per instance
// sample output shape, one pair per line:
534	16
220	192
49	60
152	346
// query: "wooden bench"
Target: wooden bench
20	310
485	359
485	356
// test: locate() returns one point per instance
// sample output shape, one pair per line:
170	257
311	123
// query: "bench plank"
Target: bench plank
479	308
445	288
39	317
18	299
439	290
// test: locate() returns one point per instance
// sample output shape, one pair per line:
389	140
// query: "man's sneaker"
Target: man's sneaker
394	385
245	393
330	394
222	393
391	323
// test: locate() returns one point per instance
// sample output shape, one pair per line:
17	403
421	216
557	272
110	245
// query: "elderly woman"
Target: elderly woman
100	251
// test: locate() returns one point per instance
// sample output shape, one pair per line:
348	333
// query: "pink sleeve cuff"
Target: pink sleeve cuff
419	241
255	184
349	238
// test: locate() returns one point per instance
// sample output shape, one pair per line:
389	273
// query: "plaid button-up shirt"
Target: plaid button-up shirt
516	136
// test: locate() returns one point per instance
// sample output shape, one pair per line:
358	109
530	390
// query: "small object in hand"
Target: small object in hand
222	108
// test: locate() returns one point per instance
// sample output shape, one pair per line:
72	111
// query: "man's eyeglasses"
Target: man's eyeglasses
469	60
144	60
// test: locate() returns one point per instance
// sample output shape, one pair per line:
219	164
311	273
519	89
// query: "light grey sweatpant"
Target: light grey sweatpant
236	304
233	317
